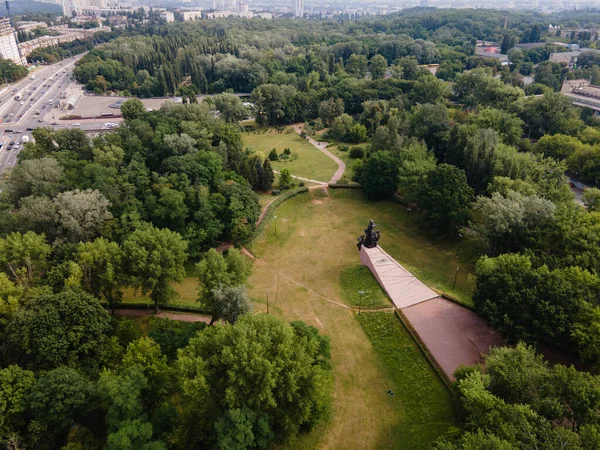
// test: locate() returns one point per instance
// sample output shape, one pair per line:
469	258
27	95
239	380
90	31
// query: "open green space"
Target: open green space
360	288
311	163
339	219
305	273
425	399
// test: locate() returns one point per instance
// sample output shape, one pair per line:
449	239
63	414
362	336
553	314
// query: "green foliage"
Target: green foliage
58	399
145	354
133	109
273	156
154	258
24	256
536	304
216	272
416	162
15	385
230	302
262	365
101	262
172	335
379	175
446	197
521	402
591	197
356	153
50	330
357	134
511	222
285	179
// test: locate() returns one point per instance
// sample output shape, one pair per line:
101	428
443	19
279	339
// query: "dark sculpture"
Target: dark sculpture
370	238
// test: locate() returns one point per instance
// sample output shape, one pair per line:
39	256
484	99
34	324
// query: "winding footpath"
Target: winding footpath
321	146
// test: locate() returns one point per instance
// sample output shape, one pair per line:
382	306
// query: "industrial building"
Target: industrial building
582	93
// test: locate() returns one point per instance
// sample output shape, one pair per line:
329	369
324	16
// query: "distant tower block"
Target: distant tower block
298	8
242	6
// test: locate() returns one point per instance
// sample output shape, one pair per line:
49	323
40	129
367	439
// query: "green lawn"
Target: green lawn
311	163
425	400
312	266
355	279
344	216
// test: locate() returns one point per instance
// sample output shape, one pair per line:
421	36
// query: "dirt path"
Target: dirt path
322	147
183	317
320	183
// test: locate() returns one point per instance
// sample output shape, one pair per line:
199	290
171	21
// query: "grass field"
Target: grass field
311	163
308	269
425	400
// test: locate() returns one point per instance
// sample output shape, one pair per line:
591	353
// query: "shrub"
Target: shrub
343	148
301	184
275	192
356	153
273	155
287	151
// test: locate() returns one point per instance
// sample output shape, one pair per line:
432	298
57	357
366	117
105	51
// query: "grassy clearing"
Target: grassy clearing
305	268
311	163
333	224
359	278
426	401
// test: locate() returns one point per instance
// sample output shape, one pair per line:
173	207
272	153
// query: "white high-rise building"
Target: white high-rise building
8	43
298	8
68	6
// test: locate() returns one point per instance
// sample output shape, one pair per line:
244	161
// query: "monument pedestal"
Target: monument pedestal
403	288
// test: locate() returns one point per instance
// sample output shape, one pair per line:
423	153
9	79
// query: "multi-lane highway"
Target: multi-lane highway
38	93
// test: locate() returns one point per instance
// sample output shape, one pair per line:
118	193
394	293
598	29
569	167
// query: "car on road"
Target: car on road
12	114
40	121
8	130
54	123
17	143
77	124
50	101
29	129
5	116
43	106
21	103
11	143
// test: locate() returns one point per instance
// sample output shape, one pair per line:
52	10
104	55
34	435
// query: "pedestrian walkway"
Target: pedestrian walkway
453	334
321	146
403	288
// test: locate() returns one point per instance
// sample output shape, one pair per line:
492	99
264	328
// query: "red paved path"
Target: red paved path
453	334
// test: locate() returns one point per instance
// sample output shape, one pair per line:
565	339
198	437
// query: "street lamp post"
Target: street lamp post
408	210
275	218
455	276
360	293
267	300
459	242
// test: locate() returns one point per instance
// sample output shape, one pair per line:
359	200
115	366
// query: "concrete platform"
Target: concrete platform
403	288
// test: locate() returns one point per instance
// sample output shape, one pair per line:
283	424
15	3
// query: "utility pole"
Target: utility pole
455	276
267	301
459	242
